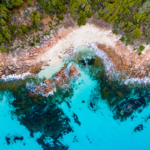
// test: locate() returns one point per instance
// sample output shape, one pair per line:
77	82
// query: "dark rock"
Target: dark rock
18	138
76	119
91	104
8	140
138	128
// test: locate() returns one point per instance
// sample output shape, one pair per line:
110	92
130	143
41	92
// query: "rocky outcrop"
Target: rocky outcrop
62	76
73	71
19	68
61	79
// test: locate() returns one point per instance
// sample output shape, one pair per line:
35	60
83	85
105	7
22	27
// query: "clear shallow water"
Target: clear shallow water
50	70
98	130
10	127
91	119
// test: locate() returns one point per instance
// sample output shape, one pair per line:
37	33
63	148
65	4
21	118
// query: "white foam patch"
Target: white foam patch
15	76
110	67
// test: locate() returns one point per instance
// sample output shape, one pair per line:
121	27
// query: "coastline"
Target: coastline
125	59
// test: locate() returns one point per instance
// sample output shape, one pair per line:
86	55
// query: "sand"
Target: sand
69	39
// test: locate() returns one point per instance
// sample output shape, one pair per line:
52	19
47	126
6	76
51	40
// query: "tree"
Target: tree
13	28
3	49
2	21
137	33
81	21
17	3
4	29
35	17
2	39
25	29
4	12
7	36
60	17
30	3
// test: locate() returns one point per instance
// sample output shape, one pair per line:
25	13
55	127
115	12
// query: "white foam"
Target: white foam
15	76
110	67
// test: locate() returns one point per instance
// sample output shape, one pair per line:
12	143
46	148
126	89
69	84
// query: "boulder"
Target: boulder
48	81
73	71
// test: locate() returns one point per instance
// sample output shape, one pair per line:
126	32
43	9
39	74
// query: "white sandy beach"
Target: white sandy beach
90	34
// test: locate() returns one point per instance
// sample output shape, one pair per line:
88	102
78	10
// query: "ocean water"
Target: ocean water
10	128
97	129
92	113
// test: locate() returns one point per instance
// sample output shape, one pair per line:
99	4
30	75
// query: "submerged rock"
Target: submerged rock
73	71
127	107
87	61
61	79
48	81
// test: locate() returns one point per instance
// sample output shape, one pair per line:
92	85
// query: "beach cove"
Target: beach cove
107	98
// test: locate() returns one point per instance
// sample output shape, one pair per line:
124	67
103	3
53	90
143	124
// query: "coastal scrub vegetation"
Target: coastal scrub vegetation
129	18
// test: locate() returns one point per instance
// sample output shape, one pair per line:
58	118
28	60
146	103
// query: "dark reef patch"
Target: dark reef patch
39	113
8	140
87	61
138	128
13	139
76	120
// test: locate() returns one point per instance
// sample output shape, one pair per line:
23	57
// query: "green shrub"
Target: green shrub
139	53
60	17
33	26
128	40
25	29
31	44
81	21
141	47
122	39
30	3
137	33
37	41
115	32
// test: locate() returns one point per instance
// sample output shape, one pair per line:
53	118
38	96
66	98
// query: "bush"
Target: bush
122	39
115	32
33	26
141	47
31	44
139	53
81	21
25	29
3	50
29	3
60	17
128	40
37	41
137	33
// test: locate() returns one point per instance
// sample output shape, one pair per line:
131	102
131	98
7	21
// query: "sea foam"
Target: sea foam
15	76
110	67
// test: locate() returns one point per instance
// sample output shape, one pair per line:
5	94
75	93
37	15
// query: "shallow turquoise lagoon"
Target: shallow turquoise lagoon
92	120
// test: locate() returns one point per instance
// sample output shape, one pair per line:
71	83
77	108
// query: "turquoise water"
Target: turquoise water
88	119
98	130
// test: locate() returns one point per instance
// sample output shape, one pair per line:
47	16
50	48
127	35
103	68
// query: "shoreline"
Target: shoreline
125	59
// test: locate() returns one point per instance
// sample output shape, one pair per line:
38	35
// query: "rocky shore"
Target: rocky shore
65	40
61	79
